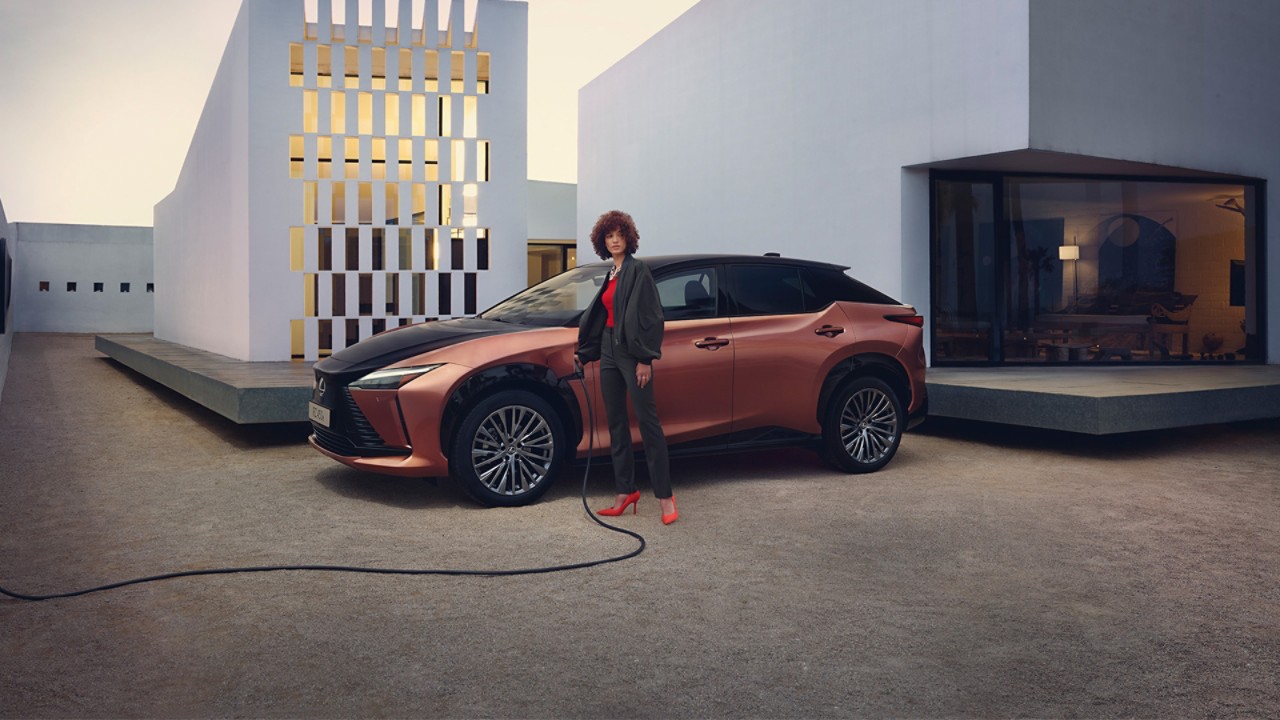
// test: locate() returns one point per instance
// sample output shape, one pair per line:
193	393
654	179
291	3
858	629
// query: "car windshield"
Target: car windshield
555	303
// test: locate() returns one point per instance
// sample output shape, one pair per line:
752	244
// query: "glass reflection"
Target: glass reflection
1095	270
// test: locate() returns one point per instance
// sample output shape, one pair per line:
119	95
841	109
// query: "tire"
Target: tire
509	449
863	426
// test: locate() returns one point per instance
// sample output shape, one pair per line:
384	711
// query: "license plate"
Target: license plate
319	414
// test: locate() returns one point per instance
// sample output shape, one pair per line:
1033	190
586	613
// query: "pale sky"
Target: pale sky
99	98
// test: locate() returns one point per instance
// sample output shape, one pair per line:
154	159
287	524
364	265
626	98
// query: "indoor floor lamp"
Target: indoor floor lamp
1072	253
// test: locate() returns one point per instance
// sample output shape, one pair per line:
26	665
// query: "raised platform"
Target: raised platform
1106	400
1092	400
243	392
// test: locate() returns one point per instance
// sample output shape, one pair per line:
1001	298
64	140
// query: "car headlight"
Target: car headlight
391	378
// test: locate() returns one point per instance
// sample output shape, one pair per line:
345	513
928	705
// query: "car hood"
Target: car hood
396	345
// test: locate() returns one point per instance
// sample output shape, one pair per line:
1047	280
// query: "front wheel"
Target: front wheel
508	449
863	426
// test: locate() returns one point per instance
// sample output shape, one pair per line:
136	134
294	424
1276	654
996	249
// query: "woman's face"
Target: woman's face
615	243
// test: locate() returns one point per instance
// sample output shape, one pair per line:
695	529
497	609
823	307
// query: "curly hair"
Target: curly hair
607	223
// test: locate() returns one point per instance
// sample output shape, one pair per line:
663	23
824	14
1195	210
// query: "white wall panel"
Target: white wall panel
202	227
552	210
86	255
274	201
503	29
758	126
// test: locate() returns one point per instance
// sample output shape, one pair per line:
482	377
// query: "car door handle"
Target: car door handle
829	330
711	343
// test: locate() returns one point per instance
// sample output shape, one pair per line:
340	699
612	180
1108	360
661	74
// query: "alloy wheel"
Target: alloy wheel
868	425
513	450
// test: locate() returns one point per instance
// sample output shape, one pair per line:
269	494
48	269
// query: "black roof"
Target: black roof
660	261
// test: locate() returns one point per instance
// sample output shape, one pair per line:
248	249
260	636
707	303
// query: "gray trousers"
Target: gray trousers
617	382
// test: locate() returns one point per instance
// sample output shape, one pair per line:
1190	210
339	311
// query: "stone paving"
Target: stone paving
986	572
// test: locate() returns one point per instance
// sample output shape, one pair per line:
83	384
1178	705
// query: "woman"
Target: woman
622	328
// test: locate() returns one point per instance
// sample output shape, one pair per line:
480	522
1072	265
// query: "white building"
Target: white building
553	240
1035	177
347	176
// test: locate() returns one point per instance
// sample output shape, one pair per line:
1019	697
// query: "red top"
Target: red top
607	298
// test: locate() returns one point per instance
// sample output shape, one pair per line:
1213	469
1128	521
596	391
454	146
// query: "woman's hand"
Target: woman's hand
644	373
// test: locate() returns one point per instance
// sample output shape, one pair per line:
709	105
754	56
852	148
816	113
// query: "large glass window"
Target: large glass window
548	258
1034	269
964	287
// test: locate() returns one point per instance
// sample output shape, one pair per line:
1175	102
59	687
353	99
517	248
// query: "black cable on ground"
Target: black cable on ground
385	571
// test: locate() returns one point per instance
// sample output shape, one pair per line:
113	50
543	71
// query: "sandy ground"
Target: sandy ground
986	572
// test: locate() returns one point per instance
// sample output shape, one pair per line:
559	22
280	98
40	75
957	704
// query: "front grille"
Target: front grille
359	429
350	434
333	442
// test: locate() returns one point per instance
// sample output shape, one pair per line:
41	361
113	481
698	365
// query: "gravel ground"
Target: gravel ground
986	572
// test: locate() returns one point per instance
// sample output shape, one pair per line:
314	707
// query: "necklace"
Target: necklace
612	272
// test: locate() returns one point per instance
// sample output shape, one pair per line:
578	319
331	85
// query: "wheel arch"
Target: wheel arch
538	379
875	365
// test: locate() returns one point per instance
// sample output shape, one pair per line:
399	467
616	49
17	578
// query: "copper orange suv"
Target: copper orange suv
758	351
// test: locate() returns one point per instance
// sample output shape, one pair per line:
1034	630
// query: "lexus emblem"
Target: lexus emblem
320	385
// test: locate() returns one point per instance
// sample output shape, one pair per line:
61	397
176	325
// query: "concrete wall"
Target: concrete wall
756	126
87	255
1185	83
552	210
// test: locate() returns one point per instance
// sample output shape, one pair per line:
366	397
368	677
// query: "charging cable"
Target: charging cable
391	571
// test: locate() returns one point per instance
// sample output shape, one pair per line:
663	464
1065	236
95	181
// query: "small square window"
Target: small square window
97	287
44	286
71	287
151	287
124	287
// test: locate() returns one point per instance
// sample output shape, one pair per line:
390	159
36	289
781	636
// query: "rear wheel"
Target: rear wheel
863	426
508	449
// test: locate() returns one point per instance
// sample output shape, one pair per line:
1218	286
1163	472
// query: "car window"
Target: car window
766	289
554	303
825	286
689	294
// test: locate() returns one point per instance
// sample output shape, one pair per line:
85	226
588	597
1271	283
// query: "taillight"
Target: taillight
912	319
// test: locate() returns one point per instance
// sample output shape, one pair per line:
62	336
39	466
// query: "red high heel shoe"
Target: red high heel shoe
632	499
675	513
